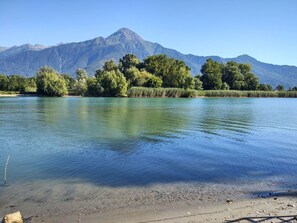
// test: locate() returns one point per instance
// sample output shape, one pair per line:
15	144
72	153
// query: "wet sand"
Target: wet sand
83	202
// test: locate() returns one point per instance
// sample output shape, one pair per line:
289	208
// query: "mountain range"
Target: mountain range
91	55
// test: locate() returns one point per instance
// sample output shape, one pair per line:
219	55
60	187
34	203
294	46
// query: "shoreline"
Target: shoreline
269	209
77	96
183	203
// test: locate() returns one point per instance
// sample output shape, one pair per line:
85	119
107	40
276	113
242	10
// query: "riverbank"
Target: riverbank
141	92
268	209
81	202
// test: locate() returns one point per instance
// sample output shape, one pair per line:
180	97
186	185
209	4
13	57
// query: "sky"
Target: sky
263	29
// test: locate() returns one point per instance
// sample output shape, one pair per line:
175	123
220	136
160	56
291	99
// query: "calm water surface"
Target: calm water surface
124	142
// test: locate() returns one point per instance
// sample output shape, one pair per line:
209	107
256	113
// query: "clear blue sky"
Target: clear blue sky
264	29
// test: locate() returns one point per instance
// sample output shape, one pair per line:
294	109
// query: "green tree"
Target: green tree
174	73
280	87
211	75
128	61
30	85
4	81
232	75
154	81
81	74
94	87
225	86
136	77
133	77
16	83
50	83
80	87
251	81
113	82
110	66
70	81
263	87
198	85
244	68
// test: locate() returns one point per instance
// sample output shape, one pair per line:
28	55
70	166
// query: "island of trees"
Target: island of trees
155	76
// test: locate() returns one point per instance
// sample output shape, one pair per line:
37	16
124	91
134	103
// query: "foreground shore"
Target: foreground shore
269	209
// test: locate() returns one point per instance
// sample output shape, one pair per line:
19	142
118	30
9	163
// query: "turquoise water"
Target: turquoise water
116	142
126	142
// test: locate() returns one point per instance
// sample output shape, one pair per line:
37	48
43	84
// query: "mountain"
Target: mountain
91	55
7	52
3	48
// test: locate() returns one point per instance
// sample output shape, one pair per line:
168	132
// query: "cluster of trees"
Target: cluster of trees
230	76
153	72
17	83
114	79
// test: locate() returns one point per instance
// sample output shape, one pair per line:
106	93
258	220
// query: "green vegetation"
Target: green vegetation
178	92
16	83
50	83
155	76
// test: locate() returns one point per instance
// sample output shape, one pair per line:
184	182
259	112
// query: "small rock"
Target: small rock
13	218
291	205
275	198
188	212
229	201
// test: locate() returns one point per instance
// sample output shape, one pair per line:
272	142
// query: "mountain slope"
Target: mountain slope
91	55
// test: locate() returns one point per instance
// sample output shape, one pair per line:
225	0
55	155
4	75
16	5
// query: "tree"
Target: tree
94	87
174	73
110	66
70	81
153	81
264	87
280	87
3	82
81	74
244	68
50	83
232	75
225	86
133	77
211	75
128	61
198	85
80	87
251	81
113	82
16	83
30	85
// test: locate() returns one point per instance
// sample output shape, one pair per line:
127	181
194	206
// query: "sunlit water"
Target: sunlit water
62	149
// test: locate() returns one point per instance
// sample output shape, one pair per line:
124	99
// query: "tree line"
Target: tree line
153	72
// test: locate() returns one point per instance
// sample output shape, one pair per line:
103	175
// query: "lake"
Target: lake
95	154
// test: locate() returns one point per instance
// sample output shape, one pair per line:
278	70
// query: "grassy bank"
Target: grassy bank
178	92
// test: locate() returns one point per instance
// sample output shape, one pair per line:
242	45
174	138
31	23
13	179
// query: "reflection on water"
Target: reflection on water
121	142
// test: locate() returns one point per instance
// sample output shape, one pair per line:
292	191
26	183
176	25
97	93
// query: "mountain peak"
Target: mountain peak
124	34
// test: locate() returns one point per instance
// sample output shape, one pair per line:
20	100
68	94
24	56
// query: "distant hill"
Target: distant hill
91	54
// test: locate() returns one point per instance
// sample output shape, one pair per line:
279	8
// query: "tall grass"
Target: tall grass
143	92
136	92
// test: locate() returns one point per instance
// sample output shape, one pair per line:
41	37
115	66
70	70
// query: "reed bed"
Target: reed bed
142	92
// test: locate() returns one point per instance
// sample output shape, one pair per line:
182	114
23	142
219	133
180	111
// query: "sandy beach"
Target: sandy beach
270	209
158	203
